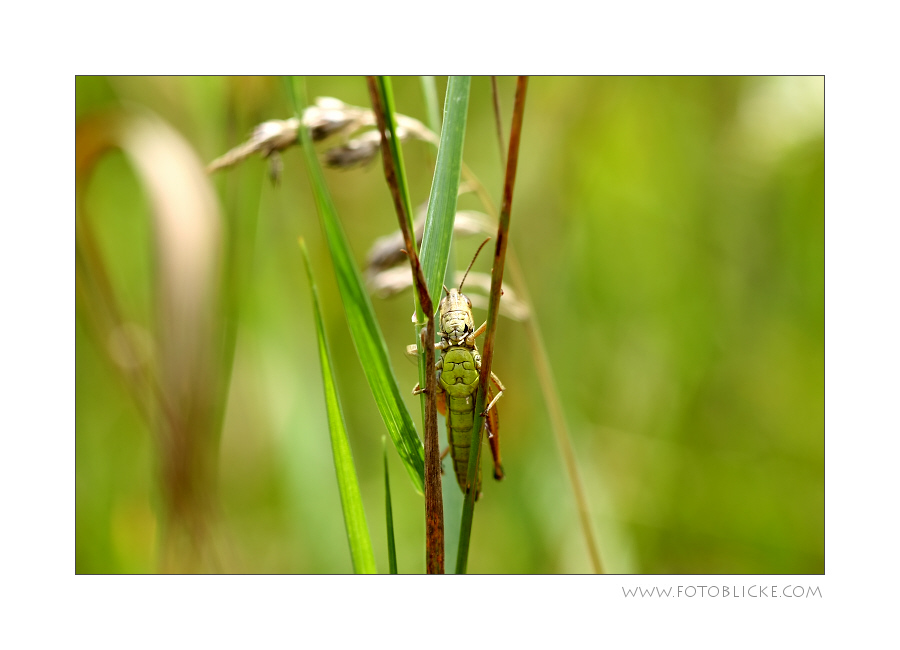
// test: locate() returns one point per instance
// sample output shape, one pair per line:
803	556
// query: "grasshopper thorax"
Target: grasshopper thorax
456	317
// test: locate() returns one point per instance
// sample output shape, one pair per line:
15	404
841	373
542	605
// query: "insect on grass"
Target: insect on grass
458	371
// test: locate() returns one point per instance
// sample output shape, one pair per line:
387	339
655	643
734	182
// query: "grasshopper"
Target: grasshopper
458	372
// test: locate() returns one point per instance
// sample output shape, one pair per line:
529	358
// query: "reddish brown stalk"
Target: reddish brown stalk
548	385
493	310
434	509
512	161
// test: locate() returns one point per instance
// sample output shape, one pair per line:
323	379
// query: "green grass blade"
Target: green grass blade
389	515
383	85
364	328
386	92
429	92
445	187
348	485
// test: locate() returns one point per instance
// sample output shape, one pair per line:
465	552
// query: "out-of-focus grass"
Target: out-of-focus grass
672	236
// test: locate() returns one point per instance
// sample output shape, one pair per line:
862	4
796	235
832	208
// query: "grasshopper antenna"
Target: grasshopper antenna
471	263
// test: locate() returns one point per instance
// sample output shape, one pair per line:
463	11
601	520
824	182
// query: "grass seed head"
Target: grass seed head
326	118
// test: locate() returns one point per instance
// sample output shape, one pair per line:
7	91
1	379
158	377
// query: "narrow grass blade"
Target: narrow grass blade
397	180
351	499
389	514
498	120
429	91
364	328
445	186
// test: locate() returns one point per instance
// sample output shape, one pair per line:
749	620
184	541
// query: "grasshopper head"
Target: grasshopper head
456	310
456	316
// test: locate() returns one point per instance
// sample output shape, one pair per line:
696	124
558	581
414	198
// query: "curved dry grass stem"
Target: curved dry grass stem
434	512
187	228
557	419
99	306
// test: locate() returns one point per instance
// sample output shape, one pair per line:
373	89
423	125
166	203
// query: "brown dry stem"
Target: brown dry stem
434	510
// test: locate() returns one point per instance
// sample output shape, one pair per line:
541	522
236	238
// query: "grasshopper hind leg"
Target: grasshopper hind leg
492	424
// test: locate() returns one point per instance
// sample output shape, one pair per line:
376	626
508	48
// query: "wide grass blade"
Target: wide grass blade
348	485
389	515
364	328
445	186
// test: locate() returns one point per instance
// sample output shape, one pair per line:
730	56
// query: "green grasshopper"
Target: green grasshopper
458	372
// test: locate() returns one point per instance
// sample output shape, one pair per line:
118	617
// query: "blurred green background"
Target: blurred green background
671	233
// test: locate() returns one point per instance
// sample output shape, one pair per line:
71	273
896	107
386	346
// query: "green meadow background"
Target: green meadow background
671	234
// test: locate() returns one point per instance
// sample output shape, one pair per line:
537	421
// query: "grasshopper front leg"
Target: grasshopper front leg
411	351
441	397
470	339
